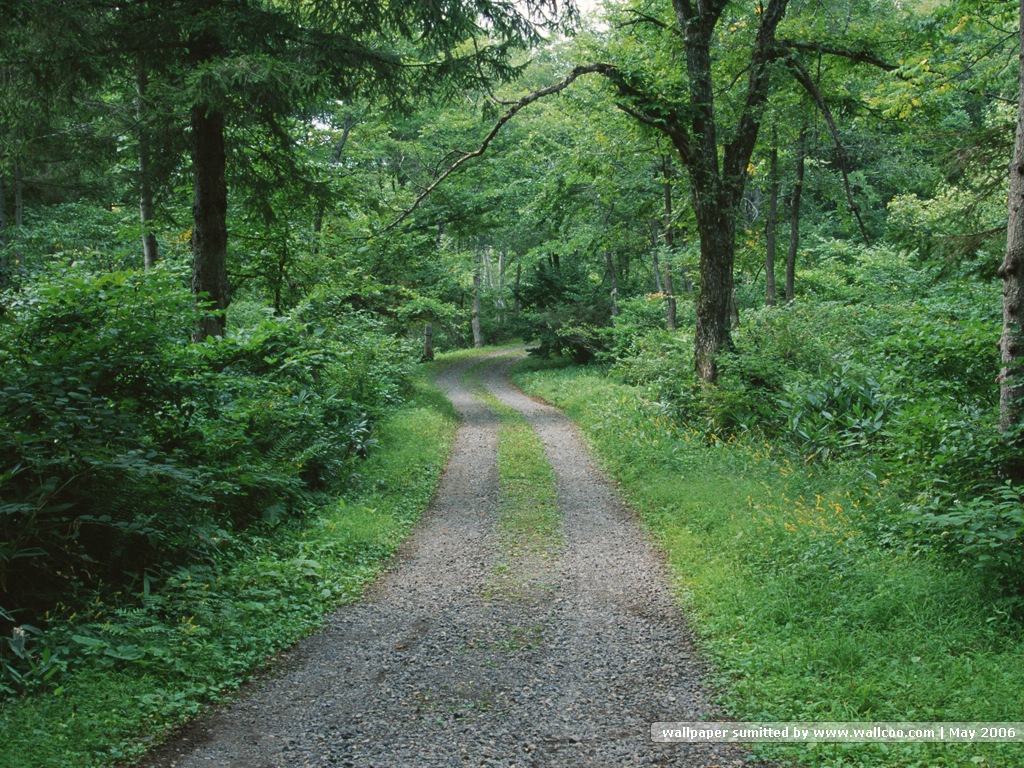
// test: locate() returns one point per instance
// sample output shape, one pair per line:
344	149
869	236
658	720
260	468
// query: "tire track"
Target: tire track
433	670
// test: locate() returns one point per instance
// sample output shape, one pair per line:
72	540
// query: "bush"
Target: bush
128	449
563	311
985	533
942	348
847	272
638	317
842	410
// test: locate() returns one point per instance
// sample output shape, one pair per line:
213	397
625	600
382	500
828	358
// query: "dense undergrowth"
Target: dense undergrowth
132	667
172	513
128	450
837	509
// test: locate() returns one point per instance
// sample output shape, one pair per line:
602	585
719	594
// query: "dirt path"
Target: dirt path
433	669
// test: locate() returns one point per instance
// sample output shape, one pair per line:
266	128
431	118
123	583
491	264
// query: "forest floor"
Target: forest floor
472	651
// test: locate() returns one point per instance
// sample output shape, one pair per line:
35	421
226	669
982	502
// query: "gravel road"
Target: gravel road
437	668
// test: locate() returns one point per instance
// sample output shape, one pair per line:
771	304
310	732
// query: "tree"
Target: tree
679	73
771	221
267	63
694	126
1011	343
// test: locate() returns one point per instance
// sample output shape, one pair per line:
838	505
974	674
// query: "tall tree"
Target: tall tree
771	221
268	63
794	216
717	180
1011	343
679	73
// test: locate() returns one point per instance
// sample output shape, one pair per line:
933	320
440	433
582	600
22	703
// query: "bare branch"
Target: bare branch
863	57
605	69
643	18
804	78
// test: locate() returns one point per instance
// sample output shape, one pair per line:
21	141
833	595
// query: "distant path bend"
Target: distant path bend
434	669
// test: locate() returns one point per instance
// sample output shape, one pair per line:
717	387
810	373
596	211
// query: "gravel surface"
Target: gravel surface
436	668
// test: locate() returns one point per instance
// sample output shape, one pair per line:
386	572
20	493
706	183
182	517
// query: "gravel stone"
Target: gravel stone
436	667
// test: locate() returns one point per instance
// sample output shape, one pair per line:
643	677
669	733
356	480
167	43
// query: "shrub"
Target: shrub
129	449
563	311
851	273
985	533
638	317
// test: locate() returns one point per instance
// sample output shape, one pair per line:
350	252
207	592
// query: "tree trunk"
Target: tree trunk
428	342
717	180
794	218
515	291
656	266
670	305
478	336
150	252
4	237
1011	343
5	264
209	220
670	243
19	198
499	299
771	223
716	225
609	264
488	271
335	157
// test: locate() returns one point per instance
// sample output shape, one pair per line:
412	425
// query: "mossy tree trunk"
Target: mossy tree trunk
1011	343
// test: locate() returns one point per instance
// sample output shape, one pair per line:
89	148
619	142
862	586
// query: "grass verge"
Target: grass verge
806	612
195	636
529	520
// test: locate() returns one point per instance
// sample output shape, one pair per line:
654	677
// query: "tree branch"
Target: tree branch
642	18
740	148
863	57
671	127
604	69
804	78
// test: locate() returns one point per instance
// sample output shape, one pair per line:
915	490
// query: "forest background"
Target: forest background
775	234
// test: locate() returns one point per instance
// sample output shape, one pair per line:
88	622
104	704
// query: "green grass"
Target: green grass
804	610
529	520
137	670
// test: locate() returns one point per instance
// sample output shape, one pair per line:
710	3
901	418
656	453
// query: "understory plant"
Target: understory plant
129	451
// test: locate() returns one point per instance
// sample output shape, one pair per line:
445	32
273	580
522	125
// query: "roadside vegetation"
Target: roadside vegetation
778	231
115	672
833	510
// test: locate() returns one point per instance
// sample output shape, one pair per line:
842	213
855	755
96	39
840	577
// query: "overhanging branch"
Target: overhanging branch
804	78
585	69
863	57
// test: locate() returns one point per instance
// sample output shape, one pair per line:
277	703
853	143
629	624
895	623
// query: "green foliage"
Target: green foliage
638	317
133	667
985	533
846	410
882	364
797	589
81	233
848	272
563	310
129	449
